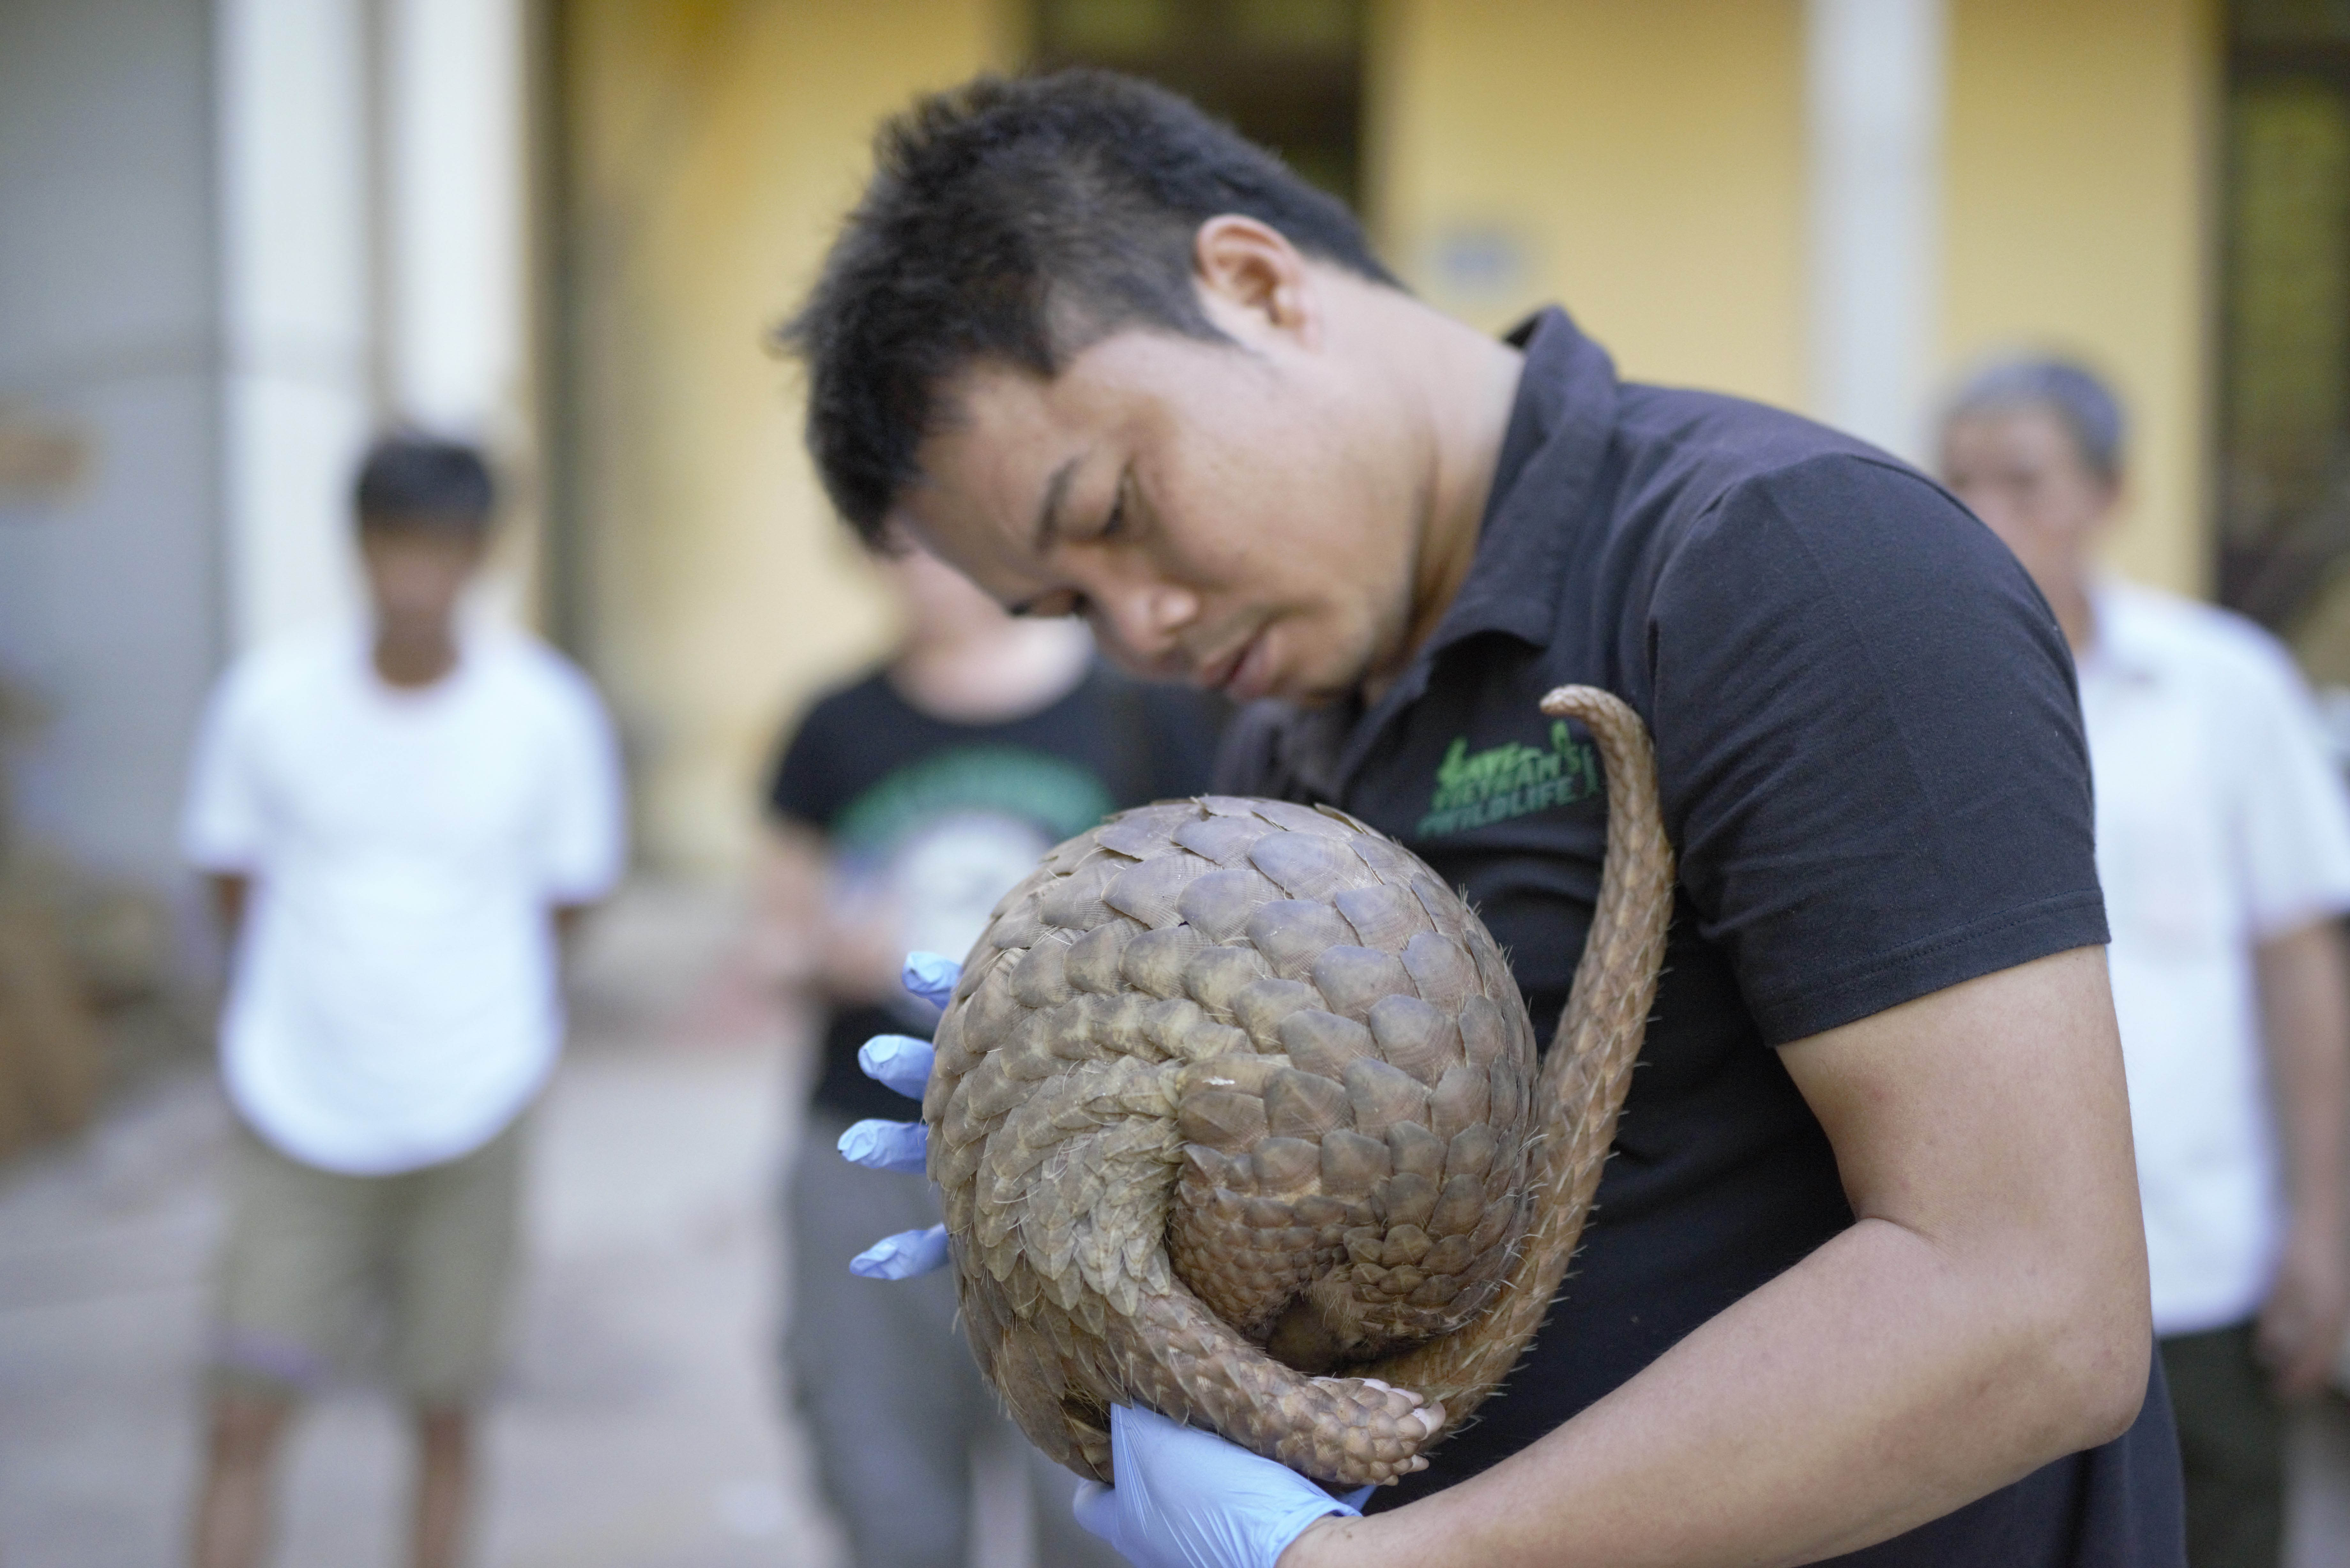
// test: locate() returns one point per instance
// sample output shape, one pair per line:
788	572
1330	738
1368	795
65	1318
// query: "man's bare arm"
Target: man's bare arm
786	940
1986	1314
2305	1015
802	939
230	894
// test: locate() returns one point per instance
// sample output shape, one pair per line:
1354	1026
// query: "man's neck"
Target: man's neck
1463	386
1005	673
414	659
2077	611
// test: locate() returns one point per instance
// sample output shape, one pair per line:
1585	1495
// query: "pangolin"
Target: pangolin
1236	1115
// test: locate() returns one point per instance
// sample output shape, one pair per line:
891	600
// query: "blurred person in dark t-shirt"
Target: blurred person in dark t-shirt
904	806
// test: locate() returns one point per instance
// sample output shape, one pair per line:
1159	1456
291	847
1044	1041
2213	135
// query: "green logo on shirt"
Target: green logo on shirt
1058	796
1475	789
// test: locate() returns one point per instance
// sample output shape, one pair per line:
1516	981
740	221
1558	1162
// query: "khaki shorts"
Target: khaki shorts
320	1269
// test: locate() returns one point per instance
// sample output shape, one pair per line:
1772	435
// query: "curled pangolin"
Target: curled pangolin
1235	1114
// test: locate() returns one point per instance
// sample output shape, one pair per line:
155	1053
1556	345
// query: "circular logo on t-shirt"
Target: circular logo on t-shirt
946	875
937	843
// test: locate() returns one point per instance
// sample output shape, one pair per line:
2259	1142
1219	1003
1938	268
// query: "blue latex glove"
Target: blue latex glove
903	1063
1186	1498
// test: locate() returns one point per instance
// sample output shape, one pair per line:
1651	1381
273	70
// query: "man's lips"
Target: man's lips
1214	672
1241	673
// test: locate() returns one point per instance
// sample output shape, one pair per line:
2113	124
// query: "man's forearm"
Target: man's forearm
784	938
1881	1382
2306	1019
231	892
1986	1314
2306	1011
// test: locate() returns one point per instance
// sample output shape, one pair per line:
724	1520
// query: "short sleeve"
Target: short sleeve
2291	819
1871	745
805	786
225	821
585	842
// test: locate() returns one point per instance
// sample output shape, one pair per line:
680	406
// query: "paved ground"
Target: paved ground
640	1429
2319	1526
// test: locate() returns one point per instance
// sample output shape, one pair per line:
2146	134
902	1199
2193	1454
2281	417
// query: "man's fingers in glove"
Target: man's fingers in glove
902	1256
888	1145
899	1061
1096	1506
903	1064
931	976
1182	1498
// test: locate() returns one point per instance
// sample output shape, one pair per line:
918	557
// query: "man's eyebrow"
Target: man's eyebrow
1048	516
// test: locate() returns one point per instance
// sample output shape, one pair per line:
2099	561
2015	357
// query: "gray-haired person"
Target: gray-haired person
2224	846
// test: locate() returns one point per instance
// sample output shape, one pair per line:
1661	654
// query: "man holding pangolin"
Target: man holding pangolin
1865	1279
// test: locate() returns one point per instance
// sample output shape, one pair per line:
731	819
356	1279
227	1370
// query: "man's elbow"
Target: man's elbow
2112	1388
2095	1367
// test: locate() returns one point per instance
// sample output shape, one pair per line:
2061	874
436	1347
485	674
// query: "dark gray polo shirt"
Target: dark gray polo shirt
1870	752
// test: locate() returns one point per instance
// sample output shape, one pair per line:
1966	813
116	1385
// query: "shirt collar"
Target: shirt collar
1546	474
2124	646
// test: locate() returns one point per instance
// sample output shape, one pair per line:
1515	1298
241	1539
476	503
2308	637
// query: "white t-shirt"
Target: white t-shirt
394	1002
2220	824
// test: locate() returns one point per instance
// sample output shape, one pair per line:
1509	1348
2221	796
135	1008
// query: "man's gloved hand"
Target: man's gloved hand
1186	1498
903	1063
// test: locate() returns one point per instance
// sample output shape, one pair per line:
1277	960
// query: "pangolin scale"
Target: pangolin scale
1236	1114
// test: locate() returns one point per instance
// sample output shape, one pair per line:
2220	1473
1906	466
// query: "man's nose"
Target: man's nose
1147	622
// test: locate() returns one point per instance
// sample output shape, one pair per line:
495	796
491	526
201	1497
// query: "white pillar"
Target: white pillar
294	275
455	211
1873	102
455	206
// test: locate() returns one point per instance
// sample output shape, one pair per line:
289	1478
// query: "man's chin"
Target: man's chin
1314	697
1323	681
1319	689
1313	688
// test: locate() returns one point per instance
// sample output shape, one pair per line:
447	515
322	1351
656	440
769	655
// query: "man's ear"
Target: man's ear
1253	281
2120	497
894	540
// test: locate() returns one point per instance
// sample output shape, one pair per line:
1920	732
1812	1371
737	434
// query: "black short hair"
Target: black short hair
2076	394
1021	220
413	479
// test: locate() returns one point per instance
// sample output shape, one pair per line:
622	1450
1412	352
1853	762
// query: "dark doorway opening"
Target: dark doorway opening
2284	315
1287	73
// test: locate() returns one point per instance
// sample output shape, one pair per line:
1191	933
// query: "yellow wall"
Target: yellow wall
713	147
1646	161
2076	219
1641	160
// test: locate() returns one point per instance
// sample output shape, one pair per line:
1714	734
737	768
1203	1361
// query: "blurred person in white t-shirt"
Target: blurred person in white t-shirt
397	820
2223	845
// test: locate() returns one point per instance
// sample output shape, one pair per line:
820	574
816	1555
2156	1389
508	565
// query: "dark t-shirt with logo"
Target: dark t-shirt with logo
930	821
1870	753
